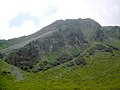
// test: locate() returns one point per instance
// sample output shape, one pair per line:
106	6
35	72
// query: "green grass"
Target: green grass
102	72
6	79
116	43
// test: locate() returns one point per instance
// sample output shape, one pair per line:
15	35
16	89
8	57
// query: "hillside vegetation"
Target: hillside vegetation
101	72
71	54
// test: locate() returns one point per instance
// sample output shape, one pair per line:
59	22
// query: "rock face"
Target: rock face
57	43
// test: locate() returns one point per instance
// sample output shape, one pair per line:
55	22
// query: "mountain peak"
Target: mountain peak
59	38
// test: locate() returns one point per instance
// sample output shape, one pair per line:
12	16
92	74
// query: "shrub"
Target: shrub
1	56
80	60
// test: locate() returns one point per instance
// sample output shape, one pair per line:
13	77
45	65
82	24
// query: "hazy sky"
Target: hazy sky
24	17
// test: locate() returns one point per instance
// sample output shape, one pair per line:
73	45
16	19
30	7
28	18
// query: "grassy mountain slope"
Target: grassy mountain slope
9	76
100	73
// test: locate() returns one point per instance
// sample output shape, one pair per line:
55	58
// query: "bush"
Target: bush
1	56
80	60
70	64
64	58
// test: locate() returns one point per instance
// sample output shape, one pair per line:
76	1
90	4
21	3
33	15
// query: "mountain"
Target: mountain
64	52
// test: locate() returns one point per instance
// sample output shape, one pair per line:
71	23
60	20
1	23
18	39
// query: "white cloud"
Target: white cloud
106	12
26	28
9	9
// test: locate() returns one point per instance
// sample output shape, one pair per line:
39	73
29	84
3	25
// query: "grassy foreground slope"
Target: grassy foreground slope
102	72
9	76
6	78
